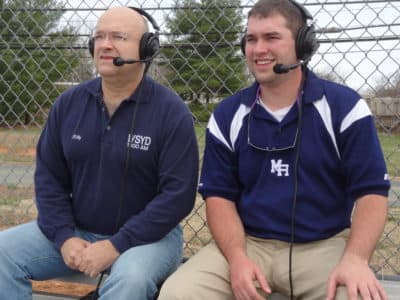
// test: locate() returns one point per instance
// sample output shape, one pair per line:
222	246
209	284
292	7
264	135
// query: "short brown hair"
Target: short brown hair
295	18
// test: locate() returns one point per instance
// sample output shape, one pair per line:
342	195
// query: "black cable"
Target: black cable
128	153
296	166
95	294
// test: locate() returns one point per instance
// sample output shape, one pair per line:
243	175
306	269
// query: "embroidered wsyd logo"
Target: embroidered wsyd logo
139	142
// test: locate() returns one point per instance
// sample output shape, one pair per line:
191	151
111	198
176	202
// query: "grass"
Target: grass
391	148
12	194
201	137
10	201
18	145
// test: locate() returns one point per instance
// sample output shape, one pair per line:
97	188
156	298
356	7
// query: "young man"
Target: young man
116	171
285	162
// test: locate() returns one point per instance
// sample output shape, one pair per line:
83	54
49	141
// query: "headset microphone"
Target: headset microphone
118	61
283	69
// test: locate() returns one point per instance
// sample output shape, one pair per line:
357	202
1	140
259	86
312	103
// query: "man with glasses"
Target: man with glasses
285	162
116	172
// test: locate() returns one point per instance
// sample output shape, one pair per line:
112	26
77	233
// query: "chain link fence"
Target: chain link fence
43	51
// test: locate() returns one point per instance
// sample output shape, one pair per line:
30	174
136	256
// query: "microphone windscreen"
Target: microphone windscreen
280	69
118	61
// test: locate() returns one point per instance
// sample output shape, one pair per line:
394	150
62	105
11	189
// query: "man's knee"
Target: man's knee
175	288
128	285
130	279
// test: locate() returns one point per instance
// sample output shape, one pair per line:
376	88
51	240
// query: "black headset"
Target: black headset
305	42
149	44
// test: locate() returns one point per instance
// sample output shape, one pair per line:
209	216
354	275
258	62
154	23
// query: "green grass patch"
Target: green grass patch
391	148
201	136
13	201
11	194
18	145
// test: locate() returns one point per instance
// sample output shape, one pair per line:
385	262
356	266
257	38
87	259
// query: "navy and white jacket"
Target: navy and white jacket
83	180
340	160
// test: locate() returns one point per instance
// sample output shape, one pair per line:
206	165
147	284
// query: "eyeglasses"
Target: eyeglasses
273	148
114	36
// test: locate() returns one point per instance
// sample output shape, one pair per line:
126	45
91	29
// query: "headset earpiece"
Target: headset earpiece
91	46
149	44
243	45
306	43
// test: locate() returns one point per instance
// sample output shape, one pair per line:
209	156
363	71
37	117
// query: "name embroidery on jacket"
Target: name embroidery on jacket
76	137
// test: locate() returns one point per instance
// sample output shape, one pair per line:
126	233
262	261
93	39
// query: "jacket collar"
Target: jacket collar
143	91
313	90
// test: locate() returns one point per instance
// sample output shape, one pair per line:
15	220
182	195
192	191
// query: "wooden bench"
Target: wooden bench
391	284
83	279
69	287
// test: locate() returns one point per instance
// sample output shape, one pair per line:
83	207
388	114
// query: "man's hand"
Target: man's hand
71	251
244	272
355	274
98	257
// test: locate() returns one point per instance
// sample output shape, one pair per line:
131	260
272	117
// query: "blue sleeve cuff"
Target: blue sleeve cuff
120	243
62	235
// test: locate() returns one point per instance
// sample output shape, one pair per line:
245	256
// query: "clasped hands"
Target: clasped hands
89	258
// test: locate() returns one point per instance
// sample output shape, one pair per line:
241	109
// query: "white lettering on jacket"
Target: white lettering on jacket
140	142
279	168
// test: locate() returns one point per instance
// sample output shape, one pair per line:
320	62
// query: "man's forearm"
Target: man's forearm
368	222
226	227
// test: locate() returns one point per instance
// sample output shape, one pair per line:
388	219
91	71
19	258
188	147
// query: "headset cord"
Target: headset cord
128	153
296	183
95	295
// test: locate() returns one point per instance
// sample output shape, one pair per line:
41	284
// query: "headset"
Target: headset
149	45
306	43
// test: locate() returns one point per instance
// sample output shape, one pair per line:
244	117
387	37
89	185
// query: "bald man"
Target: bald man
116	172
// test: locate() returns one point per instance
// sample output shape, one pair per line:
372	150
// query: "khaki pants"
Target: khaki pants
206	275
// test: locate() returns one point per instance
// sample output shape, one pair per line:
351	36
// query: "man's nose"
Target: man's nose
260	46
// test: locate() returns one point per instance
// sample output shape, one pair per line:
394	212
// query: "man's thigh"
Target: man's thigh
139	271
312	264
27	247
157	260
204	276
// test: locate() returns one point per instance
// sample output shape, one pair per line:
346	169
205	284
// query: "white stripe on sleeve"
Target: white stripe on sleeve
215	131
359	111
